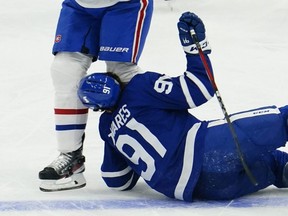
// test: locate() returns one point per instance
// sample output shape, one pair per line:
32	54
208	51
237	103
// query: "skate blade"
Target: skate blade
72	182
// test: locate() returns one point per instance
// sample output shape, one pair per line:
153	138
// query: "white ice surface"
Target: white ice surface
250	43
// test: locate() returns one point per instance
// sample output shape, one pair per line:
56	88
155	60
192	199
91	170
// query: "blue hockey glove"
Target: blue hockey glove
187	22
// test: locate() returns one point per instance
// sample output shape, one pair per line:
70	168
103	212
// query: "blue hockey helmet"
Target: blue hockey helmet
99	91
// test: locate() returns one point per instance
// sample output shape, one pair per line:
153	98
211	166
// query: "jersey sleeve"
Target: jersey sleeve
195	82
116	173
189	90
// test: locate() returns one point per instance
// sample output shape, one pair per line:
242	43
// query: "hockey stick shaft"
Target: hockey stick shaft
226	115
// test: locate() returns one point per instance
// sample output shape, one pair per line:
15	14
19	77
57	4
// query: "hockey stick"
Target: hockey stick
219	98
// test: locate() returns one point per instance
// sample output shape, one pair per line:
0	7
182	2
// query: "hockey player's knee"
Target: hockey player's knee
68	68
124	70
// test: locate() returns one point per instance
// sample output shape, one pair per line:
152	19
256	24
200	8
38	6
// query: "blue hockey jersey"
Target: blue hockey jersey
151	133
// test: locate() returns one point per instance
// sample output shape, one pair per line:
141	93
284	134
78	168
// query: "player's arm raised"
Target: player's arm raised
198	85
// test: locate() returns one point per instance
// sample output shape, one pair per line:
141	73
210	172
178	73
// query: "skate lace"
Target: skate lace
62	161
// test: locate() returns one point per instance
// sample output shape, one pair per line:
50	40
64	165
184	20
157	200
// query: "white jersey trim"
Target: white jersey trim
116	174
125	186
251	113
199	84
186	92
98	3
187	161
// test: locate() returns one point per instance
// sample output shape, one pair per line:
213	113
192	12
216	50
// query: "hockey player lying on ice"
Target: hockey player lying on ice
149	132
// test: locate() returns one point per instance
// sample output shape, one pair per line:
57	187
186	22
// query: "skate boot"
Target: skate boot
64	173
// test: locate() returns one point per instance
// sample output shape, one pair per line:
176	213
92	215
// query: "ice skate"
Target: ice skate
64	173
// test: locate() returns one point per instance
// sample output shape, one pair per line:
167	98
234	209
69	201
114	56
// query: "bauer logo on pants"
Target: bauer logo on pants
114	49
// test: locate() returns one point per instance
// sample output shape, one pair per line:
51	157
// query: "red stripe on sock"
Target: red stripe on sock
70	111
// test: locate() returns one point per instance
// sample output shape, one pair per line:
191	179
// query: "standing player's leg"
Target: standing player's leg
123	36
74	49
70	119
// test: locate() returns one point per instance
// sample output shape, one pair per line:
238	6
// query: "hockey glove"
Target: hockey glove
187	22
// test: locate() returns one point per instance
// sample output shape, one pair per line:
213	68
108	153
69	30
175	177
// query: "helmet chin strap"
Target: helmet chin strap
104	110
98	109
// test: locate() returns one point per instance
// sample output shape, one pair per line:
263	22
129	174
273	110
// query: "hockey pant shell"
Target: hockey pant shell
260	132
116	33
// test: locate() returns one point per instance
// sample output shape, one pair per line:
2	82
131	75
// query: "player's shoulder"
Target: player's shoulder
148	76
141	85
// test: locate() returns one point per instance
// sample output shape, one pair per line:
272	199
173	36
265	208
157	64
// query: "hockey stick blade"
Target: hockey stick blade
219	98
